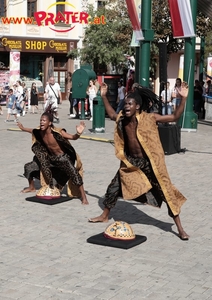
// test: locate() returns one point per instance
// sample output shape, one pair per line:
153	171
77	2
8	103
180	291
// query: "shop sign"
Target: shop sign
36	45
66	18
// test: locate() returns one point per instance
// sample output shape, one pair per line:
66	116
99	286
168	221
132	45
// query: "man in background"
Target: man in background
53	95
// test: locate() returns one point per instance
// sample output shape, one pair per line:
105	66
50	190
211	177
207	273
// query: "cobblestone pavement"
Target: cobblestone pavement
44	254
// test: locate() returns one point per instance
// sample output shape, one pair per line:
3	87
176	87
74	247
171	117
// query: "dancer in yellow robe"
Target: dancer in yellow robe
142	174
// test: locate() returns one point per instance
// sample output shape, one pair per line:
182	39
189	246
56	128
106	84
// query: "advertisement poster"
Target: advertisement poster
209	66
14	66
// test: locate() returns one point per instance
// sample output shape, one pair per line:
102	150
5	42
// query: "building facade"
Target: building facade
36	35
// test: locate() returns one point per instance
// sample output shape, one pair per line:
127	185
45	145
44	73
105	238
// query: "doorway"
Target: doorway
59	77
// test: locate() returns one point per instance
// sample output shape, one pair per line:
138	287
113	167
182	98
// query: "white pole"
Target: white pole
189	75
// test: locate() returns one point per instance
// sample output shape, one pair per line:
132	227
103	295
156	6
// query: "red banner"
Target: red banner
134	19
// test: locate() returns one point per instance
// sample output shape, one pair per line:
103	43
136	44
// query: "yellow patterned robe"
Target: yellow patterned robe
134	182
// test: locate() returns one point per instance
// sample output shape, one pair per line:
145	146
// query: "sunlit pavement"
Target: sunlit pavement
44	253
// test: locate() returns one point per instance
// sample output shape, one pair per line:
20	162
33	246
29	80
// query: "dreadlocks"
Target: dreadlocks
145	97
49	112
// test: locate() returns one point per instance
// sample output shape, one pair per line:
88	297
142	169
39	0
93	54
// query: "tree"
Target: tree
105	44
162	26
208	45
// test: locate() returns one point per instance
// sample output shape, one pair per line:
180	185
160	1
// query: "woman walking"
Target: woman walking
34	97
91	92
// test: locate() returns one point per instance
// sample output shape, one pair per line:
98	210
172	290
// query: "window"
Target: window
31	8
60	7
100	4
60	62
3	8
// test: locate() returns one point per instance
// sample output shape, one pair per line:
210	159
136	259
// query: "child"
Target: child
11	106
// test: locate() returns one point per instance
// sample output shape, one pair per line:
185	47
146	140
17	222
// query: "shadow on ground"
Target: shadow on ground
128	211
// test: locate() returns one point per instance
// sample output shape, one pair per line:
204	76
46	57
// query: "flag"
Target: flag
134	41
134	19
181	16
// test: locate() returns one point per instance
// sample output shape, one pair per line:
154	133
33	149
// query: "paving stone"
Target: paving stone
44	253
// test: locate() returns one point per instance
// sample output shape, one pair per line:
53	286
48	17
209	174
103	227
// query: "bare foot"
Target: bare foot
101	218
28	190
85	201
183	236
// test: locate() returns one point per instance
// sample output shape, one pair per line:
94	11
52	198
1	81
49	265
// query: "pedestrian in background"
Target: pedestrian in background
120	98
198	92
17	90
166	98
24	98
130	81
34	97
176	98
11	106
91	92
53	94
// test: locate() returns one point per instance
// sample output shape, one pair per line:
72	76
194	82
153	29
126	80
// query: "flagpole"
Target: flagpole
146	25
190	118
189	76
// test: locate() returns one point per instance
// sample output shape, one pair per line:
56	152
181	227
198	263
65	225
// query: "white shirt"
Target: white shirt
91	93
121	92
169	95
49	91
19	93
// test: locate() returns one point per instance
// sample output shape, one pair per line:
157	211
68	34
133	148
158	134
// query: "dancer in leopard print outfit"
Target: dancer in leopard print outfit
54	156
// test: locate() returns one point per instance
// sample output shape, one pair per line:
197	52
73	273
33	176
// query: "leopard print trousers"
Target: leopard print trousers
59	167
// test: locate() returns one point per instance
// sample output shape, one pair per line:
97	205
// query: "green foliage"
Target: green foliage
161	23
107	43
203	26
208	45
73	54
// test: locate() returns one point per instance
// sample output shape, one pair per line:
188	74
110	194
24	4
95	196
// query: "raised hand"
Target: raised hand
184	90
80	128
20	125
29	130
103	89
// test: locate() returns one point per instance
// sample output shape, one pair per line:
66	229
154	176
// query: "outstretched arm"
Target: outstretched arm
177	113
208	76
110	111
80	128
29	130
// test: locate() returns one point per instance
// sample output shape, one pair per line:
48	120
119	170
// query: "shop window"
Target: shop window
3	8
31	8
60	7
60	62
60	77
4	61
